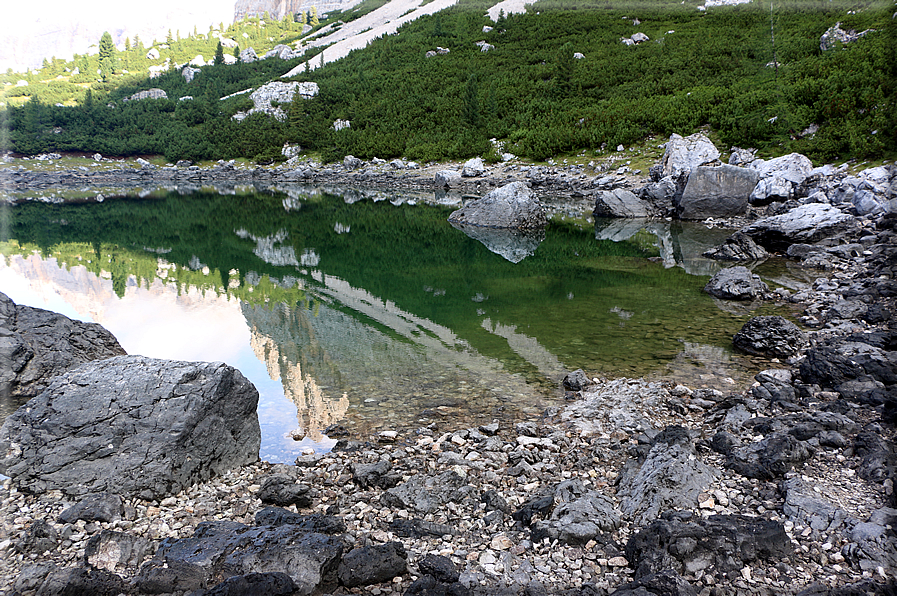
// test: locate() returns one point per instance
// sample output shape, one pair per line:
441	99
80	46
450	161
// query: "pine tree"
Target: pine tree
302	19
169	39
107	56
127	44
219	54
138	44
313	19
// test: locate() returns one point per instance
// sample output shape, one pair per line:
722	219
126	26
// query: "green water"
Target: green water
388	315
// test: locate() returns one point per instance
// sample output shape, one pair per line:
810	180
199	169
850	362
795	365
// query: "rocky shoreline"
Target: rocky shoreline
633	488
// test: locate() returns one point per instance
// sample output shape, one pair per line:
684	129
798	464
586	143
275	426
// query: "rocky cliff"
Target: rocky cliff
278	8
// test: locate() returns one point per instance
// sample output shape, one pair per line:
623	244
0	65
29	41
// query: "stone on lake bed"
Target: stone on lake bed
133	426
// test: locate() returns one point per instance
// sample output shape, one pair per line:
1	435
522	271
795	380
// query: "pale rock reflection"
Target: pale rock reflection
315	411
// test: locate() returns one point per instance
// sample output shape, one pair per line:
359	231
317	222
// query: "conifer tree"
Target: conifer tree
219	54
107	56
313	18
471	112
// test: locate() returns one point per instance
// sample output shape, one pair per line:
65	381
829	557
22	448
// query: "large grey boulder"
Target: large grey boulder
36	345
248	55
717	192
473	168
620	203
511	206
805	224
671	477
447	179
771	336
683	154
736	283
779	177
134	426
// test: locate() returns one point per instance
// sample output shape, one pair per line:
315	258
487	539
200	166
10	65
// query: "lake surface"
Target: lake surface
378	314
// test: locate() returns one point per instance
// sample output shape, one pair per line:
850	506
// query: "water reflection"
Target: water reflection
369	312
513	245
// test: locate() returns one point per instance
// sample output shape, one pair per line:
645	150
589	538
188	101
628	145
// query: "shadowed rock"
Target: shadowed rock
36	345
134	426
511	206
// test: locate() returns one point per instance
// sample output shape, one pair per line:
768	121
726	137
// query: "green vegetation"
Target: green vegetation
753	73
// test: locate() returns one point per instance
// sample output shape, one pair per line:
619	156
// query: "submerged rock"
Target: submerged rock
737	247
773	337
134	426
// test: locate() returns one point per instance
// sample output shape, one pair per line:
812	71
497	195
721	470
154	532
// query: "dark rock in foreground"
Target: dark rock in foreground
511	206
36	345
720	543
372	564
221	550
134	426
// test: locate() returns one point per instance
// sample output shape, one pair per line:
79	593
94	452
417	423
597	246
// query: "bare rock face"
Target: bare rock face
511	206
36	345
683	154
148	94
721	191
134	426
620	203
808	223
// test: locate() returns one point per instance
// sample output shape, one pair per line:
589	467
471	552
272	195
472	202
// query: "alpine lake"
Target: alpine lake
369	311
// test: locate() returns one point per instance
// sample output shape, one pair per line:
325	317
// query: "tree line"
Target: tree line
557	80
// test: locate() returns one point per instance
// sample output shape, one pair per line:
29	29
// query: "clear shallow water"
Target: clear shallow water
379	315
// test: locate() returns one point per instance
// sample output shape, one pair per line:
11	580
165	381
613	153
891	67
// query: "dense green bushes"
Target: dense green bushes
699	68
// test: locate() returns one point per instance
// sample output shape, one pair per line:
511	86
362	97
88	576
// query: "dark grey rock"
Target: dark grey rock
274	583
810	508
864	588
102	507
579	515
162	577
38	538
664	583
736	283
672	476
417	528
737	247
424	493
495	502
114	551
133	425
79	581
719	543
441	568
283	491
721	191
373	564
770	458
226	549
804	224
31	577
620	203
315	522
577	380
36	345
511	206
771	336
